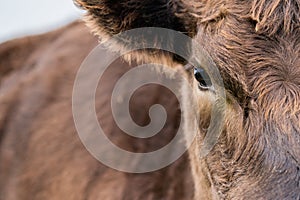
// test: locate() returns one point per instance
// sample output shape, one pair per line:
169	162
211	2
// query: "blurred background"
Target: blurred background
19	18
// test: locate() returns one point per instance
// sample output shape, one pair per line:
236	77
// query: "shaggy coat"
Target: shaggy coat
256	46
41	156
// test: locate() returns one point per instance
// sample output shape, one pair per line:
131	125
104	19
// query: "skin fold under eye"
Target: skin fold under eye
204	82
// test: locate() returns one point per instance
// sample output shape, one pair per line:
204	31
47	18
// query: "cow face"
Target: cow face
256	46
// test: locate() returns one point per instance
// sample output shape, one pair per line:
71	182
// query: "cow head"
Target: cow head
256	46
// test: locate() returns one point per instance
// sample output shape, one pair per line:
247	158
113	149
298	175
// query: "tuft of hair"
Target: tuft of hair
276	16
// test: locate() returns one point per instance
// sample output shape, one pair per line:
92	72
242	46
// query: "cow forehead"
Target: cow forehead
269	16
249	56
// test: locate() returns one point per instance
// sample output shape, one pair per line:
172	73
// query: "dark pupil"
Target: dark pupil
202	77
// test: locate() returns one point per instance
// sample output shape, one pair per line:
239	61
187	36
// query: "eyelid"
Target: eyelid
203	79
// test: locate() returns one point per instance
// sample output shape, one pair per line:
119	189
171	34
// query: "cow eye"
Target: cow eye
204	82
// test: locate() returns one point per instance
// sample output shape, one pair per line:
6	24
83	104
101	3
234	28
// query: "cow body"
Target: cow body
41	155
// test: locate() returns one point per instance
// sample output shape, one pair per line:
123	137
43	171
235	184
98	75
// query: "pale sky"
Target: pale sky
26	17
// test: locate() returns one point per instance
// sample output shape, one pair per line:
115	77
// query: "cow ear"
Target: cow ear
109	17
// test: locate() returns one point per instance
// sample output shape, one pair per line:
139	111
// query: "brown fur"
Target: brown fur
255	44
41	156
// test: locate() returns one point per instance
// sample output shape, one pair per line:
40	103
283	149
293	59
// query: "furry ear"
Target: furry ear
110	17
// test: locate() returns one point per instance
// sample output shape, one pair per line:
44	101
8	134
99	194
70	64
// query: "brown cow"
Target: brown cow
256	46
